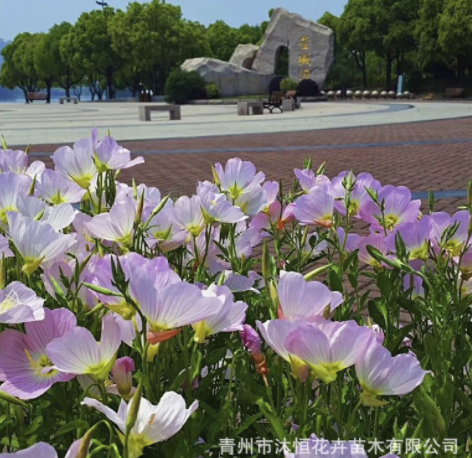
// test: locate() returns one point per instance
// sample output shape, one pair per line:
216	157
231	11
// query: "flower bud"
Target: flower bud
251	341
123	376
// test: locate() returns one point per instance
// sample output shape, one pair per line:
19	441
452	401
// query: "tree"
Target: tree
455	32
427	28
45	63
18	69
65	74
90	43
153	39
355	32
223	40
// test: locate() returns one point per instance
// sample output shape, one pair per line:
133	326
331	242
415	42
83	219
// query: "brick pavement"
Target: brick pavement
444	164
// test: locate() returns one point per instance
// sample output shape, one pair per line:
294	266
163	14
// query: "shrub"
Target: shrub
182	86
288	84
308	88
415	82
212	91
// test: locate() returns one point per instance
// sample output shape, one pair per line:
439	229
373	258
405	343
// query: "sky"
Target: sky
18	16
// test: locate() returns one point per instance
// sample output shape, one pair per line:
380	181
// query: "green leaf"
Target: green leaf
429	412
273	419
335	280
248	422
11	399
72	426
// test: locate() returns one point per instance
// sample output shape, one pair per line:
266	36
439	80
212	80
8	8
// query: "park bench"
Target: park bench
145	111
275	101
32	96
454	92
246	108
69	99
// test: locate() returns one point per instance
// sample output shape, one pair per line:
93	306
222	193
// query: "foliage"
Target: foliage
288	84
18	69
212	91
182	86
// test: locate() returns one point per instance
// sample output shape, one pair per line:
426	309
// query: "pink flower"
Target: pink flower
24	364
251	341
309	180
19	304
358	196
238	176
375	240
399	208
39	450
416	237
122	373
188	214
153	424
12	187
110	156
304	301
441	221
170	308
77	351
5	247
316	207
43	450
275	333
37	242
380	374
57	189
117	225
77	164
229	315
329	347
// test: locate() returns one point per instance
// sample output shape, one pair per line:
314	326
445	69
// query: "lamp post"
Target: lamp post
102	4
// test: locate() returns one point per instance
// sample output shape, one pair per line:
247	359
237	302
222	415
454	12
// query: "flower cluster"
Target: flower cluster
120	307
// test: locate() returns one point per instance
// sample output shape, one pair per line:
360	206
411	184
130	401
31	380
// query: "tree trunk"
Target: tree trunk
25	92
67	83
461	68
48	90
364	71
388	71
110	89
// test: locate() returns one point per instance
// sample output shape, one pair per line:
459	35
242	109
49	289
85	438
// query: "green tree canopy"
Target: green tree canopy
18	69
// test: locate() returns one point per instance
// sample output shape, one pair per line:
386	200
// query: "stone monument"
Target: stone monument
250	69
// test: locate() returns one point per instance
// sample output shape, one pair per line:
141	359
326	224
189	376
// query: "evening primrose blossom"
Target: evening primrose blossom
36	241
117	225
398	208
57	189
380	374
329	347
153	423
302	300
229	317
19	304
12	186
77	351
238	177
316	207
25	367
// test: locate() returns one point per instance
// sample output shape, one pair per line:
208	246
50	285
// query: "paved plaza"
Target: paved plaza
39	123
427	155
